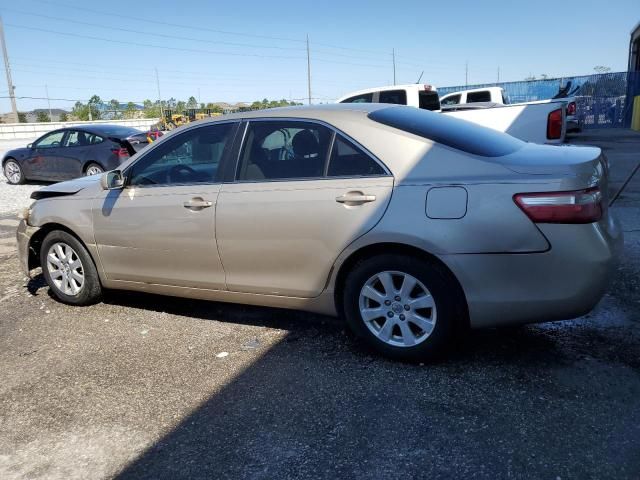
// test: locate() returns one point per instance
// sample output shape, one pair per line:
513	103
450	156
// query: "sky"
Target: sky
252	49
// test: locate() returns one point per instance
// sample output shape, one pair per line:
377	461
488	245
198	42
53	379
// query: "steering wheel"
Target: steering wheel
181	172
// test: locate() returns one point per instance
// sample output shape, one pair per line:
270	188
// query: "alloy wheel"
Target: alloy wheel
397	308
12	171
65	269
93	170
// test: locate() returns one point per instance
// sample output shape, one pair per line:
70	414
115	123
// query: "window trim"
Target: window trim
334	131
226	155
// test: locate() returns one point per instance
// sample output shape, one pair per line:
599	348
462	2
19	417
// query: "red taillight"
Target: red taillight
554	125
571	108
120	152
580	206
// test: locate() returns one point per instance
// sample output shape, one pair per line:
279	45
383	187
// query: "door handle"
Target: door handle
355	198
197	203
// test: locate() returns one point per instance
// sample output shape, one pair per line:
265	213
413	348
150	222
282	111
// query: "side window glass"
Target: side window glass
364	98
94	139
51	141
474	97
78	139
191	157
398	97
277	150
452	100
348	160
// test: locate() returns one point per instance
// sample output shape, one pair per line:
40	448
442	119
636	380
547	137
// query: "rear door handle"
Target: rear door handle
355	198
197	203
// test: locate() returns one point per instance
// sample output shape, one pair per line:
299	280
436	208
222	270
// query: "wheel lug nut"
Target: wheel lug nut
389	314
387	302
397	298
401	317
407	307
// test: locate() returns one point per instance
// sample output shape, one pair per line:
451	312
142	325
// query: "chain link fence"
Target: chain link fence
602	100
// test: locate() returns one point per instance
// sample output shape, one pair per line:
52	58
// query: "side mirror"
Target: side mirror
30	145
112	180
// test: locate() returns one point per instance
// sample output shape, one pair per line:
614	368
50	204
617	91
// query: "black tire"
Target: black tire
13	163
93	165
90	291
442	287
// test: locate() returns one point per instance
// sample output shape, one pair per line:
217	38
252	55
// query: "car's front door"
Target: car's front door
43	161
160	227
301	194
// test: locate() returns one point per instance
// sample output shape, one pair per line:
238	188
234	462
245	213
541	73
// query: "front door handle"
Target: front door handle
355	198
197	203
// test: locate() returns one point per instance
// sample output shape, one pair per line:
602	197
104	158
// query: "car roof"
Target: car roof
101	128
406	86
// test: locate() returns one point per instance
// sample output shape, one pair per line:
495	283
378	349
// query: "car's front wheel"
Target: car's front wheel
13	172
69	269
404	307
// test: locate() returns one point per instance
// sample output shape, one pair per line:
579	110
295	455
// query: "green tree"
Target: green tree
130	111
64	117
602	69
22	117
180	106
192	103
114	105
43	116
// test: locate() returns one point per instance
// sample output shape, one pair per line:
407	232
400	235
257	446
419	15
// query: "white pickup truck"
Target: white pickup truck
497	95
538	122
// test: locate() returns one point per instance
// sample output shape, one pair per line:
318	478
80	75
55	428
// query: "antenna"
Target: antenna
418	81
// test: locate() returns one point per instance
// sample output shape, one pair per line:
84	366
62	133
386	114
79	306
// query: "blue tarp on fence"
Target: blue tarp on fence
603	100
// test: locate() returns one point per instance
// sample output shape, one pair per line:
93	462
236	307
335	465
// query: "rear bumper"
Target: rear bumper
23	236
565	282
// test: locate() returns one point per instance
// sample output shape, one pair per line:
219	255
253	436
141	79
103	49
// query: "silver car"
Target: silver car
409	224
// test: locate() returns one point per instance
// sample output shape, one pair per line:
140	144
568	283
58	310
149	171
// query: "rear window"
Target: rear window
452	132
399	97
451	100
364	98
428	100
474	97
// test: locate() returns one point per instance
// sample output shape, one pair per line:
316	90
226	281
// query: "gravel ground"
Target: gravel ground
14	197
142	386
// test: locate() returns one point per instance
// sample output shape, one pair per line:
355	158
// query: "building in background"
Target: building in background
634	49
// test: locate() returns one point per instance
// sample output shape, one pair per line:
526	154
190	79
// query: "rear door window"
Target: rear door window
364	98
475	97
428	100
452	100
398	97
283	149
349	160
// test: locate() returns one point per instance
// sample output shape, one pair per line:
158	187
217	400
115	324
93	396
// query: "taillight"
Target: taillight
120	152
554	125
579	206
571	108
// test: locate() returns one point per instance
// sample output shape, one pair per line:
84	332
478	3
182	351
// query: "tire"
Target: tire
421	326
71	282
93	168
13	172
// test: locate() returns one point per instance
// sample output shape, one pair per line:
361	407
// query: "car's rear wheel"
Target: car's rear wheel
69	269
404	307
13	172
93	169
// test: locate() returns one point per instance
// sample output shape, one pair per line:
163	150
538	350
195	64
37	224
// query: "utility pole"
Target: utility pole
466	73
7	68
308	71
393	54
46	89
159	96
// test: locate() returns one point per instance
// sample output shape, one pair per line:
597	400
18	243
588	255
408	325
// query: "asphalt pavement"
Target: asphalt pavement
143	386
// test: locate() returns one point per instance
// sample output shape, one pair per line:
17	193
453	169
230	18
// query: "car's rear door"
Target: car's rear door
160	228
302	193
72	154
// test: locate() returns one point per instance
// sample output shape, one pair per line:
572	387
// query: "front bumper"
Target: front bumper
23	235
563	283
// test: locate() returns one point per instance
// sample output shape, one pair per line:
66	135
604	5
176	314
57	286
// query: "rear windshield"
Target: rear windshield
449	131
429	100
117	131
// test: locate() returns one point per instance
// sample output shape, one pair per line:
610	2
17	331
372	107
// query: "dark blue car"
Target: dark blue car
72	152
